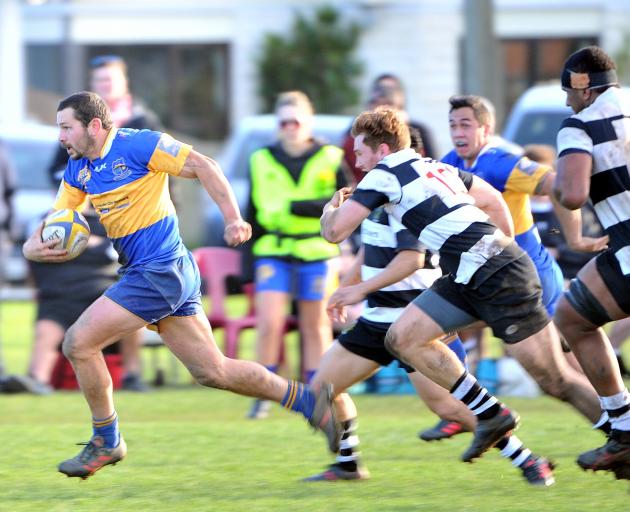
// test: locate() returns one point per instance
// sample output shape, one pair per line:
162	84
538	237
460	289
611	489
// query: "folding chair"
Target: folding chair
216	264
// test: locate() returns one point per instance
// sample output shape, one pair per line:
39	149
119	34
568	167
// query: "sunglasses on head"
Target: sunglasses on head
283	123
103	60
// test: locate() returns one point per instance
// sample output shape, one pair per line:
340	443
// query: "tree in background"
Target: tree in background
316	57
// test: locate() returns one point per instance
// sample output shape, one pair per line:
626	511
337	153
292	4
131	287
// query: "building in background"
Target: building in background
195	61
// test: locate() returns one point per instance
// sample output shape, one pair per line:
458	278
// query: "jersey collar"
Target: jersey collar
108	142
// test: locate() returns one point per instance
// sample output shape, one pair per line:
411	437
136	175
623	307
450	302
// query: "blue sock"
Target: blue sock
108	429
458	347
308	375
299	398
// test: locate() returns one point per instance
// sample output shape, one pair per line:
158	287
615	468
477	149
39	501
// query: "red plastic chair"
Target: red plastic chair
216	264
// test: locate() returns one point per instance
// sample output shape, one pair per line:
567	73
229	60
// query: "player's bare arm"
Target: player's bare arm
35	249
490	200
571	219
341	217
572	181
208	172
403	265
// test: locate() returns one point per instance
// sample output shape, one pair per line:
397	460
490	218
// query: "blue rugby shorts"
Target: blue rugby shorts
156	290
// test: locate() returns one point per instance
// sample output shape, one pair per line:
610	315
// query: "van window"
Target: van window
539	128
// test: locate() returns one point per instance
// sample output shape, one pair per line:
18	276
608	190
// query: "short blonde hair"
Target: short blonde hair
295	99
384	125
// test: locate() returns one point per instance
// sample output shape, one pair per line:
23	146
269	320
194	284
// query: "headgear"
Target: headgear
572	80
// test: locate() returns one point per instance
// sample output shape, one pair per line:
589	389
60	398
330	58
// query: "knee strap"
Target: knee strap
586	304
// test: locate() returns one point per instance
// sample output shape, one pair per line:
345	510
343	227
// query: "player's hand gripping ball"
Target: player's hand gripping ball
70	228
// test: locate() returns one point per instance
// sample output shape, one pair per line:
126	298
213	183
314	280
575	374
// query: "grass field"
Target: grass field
191	450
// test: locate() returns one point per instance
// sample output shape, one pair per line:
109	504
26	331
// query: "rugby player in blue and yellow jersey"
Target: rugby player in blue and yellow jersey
124	172
471	122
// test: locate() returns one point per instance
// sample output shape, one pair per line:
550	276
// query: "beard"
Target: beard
77	154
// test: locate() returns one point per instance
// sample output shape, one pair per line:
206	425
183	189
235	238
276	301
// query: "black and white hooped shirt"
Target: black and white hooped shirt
603	131
383	237
431	200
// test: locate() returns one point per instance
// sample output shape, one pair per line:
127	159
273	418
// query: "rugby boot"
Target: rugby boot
489	432
260	409
93	457
443	430
622	472
324	417
337	472
538	471
615	452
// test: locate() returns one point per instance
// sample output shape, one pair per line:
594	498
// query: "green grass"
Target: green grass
191	450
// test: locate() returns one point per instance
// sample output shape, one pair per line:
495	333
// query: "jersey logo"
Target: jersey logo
99	168
169	145
84	176
120	169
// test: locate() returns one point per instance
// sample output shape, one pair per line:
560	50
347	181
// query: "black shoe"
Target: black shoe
615	452
25	384
443	430
133	382
260	410
622	472
538	471
489	432
337	472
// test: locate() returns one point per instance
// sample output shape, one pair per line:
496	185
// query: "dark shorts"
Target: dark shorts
156	290
62	310
612	275
368	341
509	301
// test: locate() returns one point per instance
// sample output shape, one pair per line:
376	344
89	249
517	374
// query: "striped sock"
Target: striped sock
107	428
512	448
481	403
299	398
348	456
618	409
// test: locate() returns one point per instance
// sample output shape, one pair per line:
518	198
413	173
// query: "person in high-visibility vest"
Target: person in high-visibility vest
291	181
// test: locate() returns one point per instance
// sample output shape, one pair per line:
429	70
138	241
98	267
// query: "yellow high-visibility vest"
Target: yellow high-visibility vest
272	191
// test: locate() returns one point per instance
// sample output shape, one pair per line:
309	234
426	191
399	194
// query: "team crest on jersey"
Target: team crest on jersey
120	169
526	166
84	176
169	145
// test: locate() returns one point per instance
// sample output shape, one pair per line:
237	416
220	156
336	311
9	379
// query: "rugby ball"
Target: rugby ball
70	228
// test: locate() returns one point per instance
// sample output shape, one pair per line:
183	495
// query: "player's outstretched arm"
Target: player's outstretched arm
208	172
35	249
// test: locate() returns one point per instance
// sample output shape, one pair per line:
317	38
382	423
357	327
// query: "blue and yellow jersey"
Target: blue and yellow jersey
128	187
516	177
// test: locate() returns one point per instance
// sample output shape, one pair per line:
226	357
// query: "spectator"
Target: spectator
291	181
387	90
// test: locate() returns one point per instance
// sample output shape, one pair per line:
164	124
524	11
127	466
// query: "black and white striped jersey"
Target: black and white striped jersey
603	130
431	200
383	237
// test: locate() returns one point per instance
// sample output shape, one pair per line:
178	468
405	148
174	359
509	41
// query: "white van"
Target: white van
537	115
